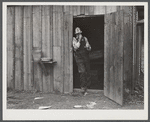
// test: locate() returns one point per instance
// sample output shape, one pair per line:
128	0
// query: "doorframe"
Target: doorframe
82	16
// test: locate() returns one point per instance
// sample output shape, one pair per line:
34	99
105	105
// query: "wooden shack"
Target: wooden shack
50	28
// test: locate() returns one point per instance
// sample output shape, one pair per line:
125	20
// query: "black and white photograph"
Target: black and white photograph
75	60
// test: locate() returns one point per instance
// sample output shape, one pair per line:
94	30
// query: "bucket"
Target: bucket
36	54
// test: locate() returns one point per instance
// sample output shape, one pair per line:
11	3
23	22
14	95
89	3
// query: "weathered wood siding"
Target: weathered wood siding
48	28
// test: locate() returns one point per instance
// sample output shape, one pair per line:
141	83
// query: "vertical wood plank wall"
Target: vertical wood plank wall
48	28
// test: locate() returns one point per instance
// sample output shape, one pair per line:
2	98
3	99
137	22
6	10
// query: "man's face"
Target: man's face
78	35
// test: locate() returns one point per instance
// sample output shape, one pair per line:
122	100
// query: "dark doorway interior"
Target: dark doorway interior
93	29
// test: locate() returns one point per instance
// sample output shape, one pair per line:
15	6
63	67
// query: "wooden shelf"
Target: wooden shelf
49	62
46	62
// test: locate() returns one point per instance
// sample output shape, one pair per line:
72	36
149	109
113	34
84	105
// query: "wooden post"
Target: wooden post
37	38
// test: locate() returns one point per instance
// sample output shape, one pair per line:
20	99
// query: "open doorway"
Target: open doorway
93	28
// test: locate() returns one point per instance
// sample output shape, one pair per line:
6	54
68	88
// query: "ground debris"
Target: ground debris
78	106
91	104
44	107
67	101
105	107
37	98
136	102
136	95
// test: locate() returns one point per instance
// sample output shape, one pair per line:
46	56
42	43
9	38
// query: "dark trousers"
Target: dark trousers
83	64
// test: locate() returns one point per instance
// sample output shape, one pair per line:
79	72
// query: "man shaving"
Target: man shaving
81	49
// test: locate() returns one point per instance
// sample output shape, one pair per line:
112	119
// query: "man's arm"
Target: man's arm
87	46
76	44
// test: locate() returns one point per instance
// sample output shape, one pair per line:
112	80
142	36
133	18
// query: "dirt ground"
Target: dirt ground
26	100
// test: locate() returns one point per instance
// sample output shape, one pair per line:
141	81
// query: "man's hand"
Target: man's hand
88	47
79	40
76	44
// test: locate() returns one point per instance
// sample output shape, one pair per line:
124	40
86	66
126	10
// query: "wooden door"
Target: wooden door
113	56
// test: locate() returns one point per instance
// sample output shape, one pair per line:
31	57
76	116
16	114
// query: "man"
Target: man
81	48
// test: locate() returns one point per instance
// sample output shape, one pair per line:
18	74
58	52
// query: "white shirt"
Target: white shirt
76	44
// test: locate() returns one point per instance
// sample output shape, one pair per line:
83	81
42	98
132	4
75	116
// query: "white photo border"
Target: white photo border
74	114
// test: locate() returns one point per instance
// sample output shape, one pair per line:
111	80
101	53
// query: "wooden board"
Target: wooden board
65	44
37	42
46	45
134	49
87	10
76	10
82	10
119	97
58	76
106	55
126	38
128	49
10	47
68	82
70	19
112	53
19	48
139	45
57	20
66	56
110	9
58	40
91	10
27	49
98	10
115	54
51	31
51	83
131	47
113	57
